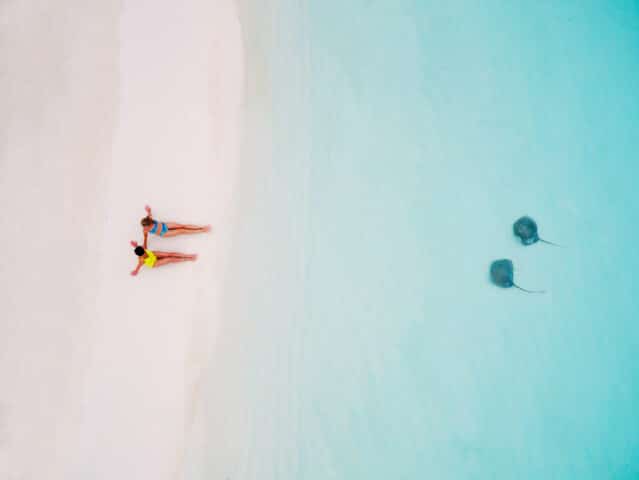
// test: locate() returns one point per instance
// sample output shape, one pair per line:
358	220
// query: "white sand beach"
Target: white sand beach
105	107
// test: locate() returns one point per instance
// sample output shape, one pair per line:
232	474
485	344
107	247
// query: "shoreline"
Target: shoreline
226	427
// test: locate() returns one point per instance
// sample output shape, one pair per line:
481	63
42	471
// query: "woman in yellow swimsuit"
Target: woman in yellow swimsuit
154	259
168	229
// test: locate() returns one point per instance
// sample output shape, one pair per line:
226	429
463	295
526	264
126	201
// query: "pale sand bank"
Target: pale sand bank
106	107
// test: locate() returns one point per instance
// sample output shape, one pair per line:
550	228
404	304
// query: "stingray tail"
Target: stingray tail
528	291
550	243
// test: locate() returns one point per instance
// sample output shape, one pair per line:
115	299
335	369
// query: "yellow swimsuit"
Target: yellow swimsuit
150	260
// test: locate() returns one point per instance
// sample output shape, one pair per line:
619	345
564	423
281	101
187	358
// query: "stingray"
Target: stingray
502	275
526	230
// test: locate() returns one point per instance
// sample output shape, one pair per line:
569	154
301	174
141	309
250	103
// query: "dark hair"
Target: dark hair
146	222
139	251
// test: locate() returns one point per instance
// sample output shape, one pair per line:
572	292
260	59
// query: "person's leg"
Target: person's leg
169	260
162	255
197	228
184	231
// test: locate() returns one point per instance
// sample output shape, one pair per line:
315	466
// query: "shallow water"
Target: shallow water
363	338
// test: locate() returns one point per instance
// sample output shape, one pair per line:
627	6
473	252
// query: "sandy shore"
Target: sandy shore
105	107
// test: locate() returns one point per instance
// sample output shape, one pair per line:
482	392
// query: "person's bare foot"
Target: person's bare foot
193	257
207	228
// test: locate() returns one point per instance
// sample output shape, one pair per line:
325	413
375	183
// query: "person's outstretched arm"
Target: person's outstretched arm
146	239
148	211
140	261
137	269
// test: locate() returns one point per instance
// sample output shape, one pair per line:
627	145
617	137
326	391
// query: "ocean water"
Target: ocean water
389	147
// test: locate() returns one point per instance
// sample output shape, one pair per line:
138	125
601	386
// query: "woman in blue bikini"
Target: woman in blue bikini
168	229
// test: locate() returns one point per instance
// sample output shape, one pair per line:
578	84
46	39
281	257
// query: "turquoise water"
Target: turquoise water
406	138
